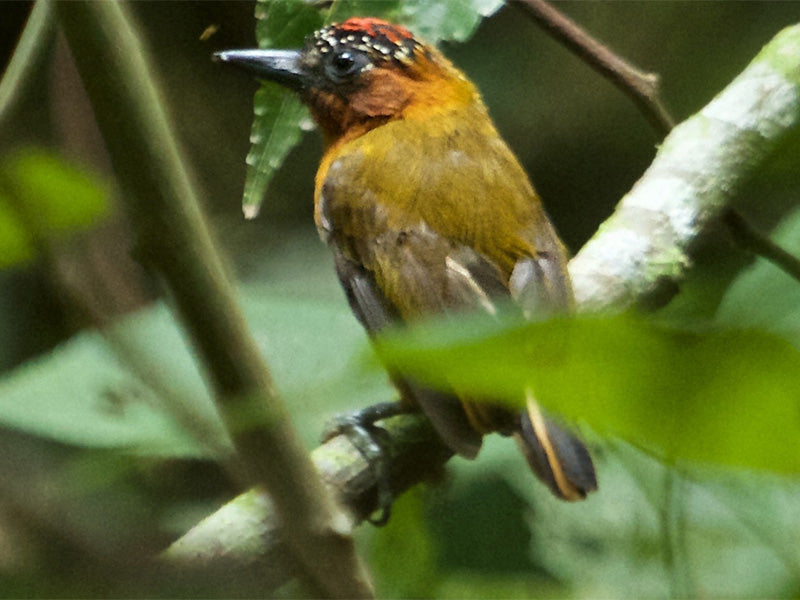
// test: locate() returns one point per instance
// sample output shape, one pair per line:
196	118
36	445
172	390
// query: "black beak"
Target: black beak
281	66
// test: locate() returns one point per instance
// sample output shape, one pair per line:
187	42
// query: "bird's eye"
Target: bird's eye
344	65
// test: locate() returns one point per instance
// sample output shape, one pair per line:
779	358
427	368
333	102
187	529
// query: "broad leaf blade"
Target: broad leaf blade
453	21
16	244
725	397
108	392
80	395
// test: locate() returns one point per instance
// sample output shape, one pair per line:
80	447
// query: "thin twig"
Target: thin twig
750	238
175	238
641	87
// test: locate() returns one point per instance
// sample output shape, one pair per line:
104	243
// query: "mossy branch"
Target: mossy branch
243	537
641	252
643	89
175	240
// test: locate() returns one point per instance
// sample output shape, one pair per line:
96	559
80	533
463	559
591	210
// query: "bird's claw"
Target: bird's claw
371	442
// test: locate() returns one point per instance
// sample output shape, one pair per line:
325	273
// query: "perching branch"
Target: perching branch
642	88
243	536
641	252
175	239
699	169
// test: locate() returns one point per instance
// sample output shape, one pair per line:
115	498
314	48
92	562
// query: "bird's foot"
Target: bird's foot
370	440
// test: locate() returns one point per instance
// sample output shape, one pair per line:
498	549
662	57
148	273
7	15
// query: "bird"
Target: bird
427	211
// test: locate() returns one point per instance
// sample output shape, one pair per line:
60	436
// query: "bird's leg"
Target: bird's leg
359	427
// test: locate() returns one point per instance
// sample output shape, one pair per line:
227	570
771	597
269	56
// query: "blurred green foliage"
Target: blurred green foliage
16	243
101	461
669	390
43	200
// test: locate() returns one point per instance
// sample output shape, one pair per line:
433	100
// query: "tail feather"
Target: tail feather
556	456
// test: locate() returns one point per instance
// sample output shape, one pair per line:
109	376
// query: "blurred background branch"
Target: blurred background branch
33	41
174	238
641	87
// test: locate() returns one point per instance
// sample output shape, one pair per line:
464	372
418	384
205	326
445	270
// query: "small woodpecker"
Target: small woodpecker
427	211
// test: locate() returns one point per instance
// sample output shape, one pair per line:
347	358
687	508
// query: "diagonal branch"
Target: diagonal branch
643	89
641	253
175	238
750	238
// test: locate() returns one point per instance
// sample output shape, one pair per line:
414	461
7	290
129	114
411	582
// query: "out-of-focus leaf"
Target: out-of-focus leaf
402	556
279	117
341	10
16	244
727	534
285	23
727	397
430	21
80	395
89	392
55	198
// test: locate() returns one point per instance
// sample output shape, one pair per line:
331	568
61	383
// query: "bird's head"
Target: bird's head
361	73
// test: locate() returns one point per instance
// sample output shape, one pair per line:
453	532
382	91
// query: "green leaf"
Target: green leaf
285	23
341	10
402	556
280	119
725	396
16	244
54	198
277	127
279	115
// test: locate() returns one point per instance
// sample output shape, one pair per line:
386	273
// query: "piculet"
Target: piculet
428	211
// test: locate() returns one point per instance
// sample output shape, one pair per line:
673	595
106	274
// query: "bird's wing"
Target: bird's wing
425	274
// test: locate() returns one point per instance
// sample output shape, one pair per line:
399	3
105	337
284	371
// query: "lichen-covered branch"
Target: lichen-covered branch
643	89
242	539
642	251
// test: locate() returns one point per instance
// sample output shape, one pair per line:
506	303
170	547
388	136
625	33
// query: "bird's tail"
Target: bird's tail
556	456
